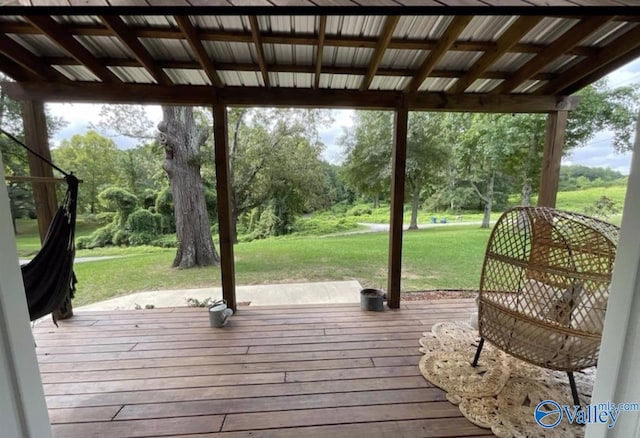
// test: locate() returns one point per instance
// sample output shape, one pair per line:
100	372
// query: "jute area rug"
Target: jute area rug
501	393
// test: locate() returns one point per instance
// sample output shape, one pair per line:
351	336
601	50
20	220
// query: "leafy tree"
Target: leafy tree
93	158
183	132
427	156
182	139
275	165
367	147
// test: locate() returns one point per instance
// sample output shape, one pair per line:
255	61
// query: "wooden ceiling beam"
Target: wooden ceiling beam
26	61
322	30
92	92
455	28
65	40
191	34
620	48
257	41
298	39
15	70
130	41
383	41
604	70
507	40
296	68
560	46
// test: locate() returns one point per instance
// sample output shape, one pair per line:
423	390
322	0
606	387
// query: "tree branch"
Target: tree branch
484	198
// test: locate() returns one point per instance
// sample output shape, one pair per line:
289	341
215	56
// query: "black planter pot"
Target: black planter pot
372	299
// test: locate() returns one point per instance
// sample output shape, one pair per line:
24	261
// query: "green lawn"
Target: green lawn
443	257
432	258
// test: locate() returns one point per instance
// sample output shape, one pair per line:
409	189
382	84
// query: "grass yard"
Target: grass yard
432	258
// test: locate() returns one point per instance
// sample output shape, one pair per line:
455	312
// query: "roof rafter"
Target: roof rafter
191	34
120	30
507	40
257	41
322	30
447	39
385	37
561	45
622	47
16	71
69	44
27	61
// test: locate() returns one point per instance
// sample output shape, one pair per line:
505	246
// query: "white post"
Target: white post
618	379
23	411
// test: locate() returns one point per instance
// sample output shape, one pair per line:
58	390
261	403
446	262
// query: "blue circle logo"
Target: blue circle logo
548	414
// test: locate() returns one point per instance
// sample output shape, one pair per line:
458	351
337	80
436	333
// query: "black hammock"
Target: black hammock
49	280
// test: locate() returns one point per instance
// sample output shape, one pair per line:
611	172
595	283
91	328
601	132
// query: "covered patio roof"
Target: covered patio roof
481	62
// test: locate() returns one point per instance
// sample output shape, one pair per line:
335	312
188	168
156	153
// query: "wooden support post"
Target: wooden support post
223	187
35	132
398	163
44	193
550	174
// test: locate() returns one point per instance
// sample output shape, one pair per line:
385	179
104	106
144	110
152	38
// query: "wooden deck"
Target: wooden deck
296	371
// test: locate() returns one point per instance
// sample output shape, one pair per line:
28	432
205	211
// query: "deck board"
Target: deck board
283	371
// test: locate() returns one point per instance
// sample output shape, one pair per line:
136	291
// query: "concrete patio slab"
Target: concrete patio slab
327	292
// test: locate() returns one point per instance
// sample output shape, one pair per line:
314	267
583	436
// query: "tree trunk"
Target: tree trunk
525	196
182	139
415	204
488	203
376	201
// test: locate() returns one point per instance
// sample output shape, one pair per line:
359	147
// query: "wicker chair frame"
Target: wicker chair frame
545	285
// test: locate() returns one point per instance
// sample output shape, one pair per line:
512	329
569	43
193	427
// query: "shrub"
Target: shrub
143	221
166	241
359	210
101	237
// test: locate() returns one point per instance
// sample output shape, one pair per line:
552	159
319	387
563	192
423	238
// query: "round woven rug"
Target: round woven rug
501	393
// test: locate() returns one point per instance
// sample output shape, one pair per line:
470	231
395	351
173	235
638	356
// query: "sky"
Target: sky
598	152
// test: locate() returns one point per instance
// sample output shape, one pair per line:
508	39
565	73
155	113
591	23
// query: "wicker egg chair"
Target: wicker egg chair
544	287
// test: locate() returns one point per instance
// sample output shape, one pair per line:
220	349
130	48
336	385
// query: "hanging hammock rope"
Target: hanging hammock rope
49	280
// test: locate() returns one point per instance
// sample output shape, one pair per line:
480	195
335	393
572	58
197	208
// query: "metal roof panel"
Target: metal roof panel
417	27
396	83
436	84
136	75
149	20
39	45
486	28
456	60
231	51
105	47
351	25
347	56
483	85
511	62
187	76
168	49
289	54
77	73
548	30
395	58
